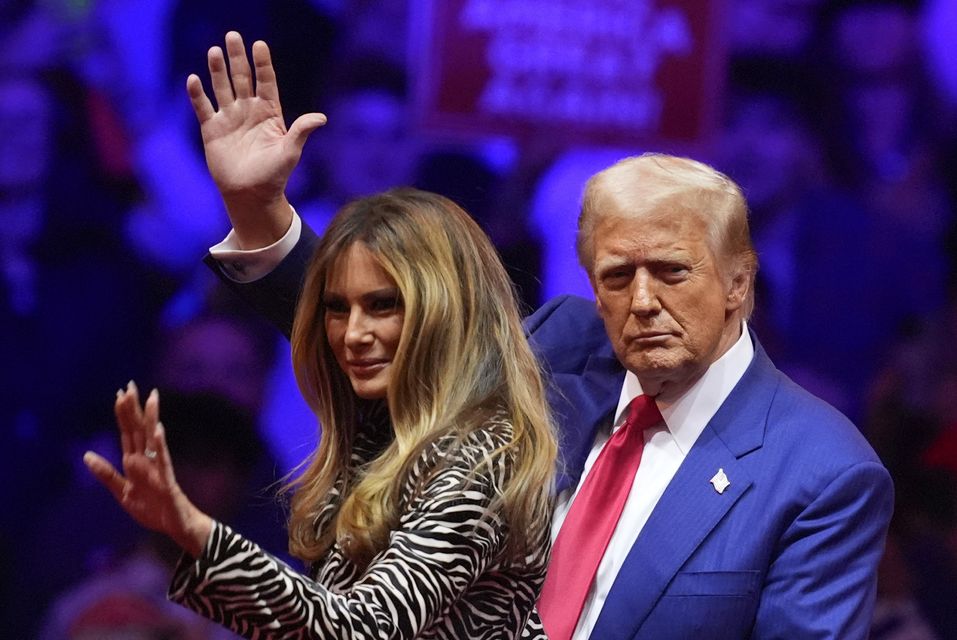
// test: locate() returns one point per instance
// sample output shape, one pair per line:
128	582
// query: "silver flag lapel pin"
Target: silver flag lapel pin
720	481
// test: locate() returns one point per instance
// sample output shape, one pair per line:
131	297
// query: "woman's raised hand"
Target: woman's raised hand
147	488
249	152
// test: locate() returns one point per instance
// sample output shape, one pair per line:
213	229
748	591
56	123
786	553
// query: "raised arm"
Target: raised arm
437	564
249	151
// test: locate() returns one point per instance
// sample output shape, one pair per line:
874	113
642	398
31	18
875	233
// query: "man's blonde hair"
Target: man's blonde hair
655	183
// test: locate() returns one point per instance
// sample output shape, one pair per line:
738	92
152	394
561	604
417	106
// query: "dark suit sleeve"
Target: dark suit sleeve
534	322
822	582
274	296
566	332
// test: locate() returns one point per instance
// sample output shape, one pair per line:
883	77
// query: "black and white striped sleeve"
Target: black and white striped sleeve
444	542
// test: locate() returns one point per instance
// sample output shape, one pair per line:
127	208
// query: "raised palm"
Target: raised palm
247	147
249	152
147	488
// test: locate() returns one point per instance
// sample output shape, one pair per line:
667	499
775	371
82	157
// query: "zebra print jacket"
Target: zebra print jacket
443	575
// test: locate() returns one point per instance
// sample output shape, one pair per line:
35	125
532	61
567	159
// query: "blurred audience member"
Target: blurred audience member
553	215
235	356
220	353
301	35
819	275
76	305
884	139
897	613
774	28
923	529
379	28
919	379
367	147
231	354
913	426
58	247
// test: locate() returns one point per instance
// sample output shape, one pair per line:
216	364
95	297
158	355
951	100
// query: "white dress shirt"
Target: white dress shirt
252	264
666	446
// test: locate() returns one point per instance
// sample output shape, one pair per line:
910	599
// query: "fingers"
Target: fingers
135	417
126	440
239	66
266	86
219	78
106	473
198	98
126	407
150	415
162	454
136	424
151	421
235	83
303	126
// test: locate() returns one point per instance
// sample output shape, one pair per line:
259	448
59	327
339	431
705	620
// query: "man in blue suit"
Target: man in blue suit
756	511
762	511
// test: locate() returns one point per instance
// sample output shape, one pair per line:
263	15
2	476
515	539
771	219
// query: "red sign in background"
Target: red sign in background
602	71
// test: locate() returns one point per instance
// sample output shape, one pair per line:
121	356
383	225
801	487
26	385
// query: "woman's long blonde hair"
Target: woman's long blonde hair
462	356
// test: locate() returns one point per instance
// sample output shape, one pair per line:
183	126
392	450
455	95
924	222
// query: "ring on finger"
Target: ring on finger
149	453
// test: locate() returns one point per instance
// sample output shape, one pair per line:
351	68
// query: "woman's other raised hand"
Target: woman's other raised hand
147	487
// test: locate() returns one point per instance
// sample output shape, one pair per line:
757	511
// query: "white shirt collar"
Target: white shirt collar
687	416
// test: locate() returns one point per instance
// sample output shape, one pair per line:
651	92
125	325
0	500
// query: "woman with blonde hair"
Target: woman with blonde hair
424	511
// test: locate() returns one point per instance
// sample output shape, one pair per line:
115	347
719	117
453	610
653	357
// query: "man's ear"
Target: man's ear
738	288
594	290
598	306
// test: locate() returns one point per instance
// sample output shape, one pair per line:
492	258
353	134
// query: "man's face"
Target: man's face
666	302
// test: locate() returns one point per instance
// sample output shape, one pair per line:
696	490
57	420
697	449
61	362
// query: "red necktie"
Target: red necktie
591	520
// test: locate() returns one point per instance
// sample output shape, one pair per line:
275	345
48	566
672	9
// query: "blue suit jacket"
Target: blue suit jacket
789	550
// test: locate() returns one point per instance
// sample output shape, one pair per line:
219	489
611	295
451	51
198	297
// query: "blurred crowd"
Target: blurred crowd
839	120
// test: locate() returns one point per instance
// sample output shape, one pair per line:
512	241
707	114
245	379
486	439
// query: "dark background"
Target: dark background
837	117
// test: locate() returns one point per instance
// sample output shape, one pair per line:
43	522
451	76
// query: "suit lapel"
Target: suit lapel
690	507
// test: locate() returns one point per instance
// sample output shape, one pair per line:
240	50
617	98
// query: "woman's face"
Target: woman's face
363	317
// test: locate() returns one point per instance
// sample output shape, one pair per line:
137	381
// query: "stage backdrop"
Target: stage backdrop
605	72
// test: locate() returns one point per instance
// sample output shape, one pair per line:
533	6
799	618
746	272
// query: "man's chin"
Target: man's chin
658	363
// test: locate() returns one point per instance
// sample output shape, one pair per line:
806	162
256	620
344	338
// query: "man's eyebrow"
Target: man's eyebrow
611	261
